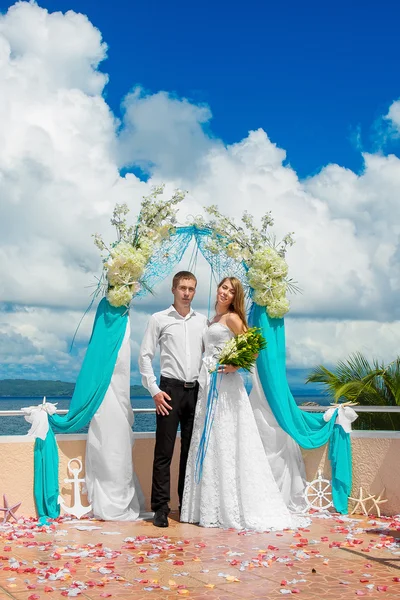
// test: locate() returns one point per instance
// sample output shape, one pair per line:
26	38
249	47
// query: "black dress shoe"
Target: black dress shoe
160	518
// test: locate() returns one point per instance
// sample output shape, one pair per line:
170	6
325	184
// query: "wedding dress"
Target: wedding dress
237	488
113	488
283	453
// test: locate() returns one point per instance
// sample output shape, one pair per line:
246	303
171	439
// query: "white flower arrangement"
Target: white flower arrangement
267	269
126	259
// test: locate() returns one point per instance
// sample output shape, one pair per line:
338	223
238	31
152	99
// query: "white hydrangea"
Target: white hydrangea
261	297
266	277
126	264
278	289
119	296
264	258
258	279
277	309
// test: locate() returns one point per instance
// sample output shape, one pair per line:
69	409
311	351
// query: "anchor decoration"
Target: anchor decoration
318	494
76	509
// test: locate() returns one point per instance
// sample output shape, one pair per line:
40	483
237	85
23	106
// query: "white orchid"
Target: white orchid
127	258
264	258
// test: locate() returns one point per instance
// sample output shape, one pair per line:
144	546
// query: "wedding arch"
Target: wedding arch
145	254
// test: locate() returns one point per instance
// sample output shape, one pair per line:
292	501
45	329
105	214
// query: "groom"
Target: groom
178	331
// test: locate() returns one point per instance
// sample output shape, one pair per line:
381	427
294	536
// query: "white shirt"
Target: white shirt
181	346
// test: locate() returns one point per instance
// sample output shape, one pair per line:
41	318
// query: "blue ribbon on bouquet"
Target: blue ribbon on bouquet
208	421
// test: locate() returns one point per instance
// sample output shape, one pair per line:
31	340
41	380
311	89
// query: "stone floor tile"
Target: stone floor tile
323	556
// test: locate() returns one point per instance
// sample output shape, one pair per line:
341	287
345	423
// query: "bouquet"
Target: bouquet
241	351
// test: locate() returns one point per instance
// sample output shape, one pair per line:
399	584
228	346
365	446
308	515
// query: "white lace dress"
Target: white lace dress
237	488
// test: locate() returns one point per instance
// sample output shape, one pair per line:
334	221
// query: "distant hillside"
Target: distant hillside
54	389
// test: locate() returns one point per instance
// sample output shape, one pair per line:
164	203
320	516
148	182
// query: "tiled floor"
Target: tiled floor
334	558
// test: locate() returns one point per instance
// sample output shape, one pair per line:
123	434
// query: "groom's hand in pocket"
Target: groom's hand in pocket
162	406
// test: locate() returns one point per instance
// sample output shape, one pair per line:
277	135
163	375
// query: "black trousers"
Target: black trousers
183	402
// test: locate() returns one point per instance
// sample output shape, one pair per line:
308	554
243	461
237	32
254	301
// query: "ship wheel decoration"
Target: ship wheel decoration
318	494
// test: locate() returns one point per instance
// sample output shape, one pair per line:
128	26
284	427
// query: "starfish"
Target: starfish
360	502
9	510
377	501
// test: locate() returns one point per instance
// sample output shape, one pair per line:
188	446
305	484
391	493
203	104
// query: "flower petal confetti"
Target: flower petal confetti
45	564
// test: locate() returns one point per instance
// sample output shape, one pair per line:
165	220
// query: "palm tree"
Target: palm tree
357	380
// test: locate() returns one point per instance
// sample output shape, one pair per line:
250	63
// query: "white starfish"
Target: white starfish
377	501
360	502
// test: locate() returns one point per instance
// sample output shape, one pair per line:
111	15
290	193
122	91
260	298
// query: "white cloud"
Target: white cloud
393	116
60	153
52	50
346	254
313	341
58	174
163	134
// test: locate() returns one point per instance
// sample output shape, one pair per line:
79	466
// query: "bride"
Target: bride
237	488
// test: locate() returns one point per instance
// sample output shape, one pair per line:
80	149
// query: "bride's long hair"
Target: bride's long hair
238	304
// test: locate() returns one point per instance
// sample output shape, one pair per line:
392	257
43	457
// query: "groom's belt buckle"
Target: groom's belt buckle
189	384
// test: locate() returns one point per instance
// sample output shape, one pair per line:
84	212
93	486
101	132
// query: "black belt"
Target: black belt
189	385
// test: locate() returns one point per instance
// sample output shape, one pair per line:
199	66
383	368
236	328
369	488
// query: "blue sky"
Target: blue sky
316	76
317	87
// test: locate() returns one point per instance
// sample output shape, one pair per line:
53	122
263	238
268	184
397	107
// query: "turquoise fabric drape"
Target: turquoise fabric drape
309	430
93	381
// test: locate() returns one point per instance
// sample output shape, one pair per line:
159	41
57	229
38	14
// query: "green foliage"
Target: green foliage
242	350
369	384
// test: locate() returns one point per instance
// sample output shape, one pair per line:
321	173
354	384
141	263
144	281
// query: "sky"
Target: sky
292	108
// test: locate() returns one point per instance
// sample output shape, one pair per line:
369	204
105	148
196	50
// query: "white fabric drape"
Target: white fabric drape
113	488
237	487
282	451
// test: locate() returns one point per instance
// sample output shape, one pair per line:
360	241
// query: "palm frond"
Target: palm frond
320	374
359	380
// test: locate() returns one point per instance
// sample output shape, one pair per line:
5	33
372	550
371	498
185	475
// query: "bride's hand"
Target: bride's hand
227	369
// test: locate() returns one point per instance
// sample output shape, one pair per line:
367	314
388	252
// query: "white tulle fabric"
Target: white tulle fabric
283	453
113	489
237	488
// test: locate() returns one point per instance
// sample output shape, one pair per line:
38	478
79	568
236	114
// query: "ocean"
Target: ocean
143	422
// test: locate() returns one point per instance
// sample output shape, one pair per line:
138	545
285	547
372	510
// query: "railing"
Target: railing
372	425
358	409
19	413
